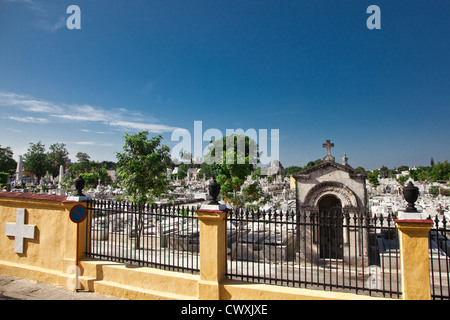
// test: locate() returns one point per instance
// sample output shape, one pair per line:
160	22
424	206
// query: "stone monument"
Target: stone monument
328	192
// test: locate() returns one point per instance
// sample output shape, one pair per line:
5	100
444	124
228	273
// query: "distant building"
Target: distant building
275	170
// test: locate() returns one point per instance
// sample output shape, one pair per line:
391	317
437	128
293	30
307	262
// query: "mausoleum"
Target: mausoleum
327	195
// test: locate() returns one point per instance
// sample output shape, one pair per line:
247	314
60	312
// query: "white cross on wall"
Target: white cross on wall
19	231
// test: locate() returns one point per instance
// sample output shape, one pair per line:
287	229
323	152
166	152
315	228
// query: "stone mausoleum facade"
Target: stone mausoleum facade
328	195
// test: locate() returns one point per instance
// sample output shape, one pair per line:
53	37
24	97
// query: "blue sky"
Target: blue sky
311	69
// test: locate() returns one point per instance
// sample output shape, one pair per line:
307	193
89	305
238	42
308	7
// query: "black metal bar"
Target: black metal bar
132	239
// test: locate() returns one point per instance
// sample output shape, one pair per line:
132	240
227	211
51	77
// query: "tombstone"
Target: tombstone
186	239
280	246
100	229
60	191
19	172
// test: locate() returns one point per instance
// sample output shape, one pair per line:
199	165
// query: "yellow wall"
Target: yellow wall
46	257
414	259
50	258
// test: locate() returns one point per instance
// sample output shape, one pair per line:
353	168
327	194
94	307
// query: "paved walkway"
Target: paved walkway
12	288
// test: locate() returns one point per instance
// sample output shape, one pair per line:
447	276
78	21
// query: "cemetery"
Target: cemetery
328	228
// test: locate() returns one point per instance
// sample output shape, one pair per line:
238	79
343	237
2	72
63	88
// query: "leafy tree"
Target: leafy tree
182	171
292	170
402	179
436	190
402	168
142	170
82	165
92	178
232	166
36	159
142	167
256	174
102	175
57	156
420	174
373	178
3	178
7	162
361	169
312	164
89	179
205	170
440	171
383	172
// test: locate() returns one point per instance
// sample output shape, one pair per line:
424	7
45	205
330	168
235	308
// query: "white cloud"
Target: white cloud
29	119
93	143
117	118
84	143
154	128
51	26
26	103
14	130
47	18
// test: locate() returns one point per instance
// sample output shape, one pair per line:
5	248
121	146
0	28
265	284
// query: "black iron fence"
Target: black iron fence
327	250
164	237
439	262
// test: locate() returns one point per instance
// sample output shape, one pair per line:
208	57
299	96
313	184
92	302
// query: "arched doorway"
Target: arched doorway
331	228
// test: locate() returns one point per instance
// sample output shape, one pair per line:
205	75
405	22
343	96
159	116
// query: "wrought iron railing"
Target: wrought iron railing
326	250
439	261
323	250
164	237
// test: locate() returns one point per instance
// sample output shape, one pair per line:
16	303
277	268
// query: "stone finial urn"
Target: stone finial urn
79	185
411	193
214	190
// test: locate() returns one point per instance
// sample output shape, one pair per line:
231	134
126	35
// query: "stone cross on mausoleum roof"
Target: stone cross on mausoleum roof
328	145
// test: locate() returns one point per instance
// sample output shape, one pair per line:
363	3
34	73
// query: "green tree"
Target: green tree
232	166
83	164
373	178
440	171
420	174
402	179
142	171
36	159
182	171
102	175
312	164
205	170
292	170
402	168
383	172
3	178
361	169
142	167
7	162
89	179
57	156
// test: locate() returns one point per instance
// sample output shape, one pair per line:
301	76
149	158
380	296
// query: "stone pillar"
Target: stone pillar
213	252
414	256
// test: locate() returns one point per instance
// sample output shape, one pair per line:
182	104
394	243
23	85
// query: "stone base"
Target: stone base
79	198
402	215
216	207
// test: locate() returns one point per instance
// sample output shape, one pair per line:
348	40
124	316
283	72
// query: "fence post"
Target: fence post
212	252
414	258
